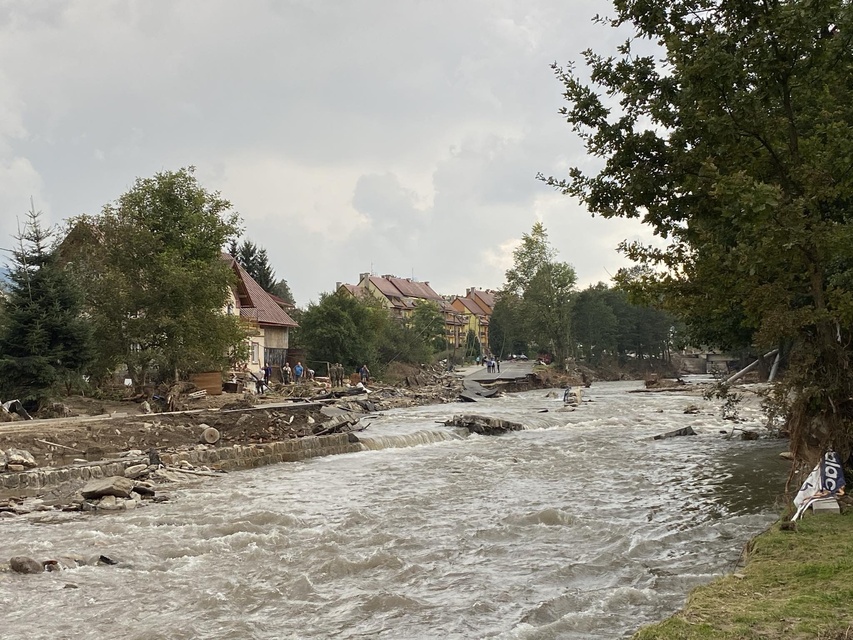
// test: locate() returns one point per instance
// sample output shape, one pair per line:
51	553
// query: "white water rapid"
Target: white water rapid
581	527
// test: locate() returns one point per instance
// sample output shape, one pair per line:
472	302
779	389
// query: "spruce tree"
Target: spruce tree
44	340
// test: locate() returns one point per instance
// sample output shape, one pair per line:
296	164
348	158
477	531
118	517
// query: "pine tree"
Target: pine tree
255	261
44	341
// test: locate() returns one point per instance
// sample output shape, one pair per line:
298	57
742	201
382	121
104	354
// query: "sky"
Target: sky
395	137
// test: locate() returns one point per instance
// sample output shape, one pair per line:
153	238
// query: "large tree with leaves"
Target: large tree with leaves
725	126
342	328
45	342
155	279
542	287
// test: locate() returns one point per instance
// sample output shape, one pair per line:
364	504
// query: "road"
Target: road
510	370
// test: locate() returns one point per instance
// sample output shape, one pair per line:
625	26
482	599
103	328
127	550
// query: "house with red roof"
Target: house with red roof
401	295
263	315
476	321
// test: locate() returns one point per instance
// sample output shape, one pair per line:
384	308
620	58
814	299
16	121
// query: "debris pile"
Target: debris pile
484	425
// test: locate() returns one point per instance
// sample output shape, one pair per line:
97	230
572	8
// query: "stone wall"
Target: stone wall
229	458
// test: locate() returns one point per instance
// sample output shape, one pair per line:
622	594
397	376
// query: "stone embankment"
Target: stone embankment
207	457
52	459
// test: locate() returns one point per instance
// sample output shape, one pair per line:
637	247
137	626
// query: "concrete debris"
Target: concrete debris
685	431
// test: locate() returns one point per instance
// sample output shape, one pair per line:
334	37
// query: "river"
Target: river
582	526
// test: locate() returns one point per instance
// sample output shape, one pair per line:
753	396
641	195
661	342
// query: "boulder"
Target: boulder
25	564
109	503
21	457
135	471
143	488
691	409
118	486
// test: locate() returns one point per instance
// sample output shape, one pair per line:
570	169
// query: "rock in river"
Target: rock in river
25	564
111	486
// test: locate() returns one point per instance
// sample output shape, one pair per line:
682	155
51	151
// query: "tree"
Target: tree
731	139
342	328
156	284
256	263
282	290
472	344
45	341
594	324
544	289
428	325
506	329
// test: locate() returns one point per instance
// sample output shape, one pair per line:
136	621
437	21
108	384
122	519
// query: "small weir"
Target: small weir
379	442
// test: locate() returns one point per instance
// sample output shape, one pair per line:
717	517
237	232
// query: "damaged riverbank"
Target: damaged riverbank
290	423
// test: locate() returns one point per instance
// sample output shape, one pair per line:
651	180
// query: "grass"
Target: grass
797	584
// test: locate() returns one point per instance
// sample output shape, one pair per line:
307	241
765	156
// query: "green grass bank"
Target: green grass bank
796	584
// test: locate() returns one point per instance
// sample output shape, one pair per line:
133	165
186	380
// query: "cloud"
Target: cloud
395	137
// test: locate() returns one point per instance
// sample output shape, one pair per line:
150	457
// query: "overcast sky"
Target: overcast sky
394	136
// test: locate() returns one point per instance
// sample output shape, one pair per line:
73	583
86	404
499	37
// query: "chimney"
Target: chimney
337	286
362	276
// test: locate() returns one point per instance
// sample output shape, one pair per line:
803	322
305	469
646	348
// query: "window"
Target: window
255	352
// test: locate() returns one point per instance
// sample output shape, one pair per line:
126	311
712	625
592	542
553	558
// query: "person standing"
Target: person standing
498	364
267	374
297	372
365	374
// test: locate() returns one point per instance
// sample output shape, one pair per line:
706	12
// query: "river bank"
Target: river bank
796	583
209	434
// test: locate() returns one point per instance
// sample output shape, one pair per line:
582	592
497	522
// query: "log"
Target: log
61	446
740	374
775	368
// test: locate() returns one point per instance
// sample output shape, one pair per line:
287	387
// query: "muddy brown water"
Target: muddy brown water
582	526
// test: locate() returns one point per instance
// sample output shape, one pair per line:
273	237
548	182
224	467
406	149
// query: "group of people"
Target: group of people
492	364
299	373
337	374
